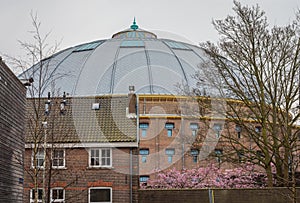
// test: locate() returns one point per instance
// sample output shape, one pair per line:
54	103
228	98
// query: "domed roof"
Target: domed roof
133	57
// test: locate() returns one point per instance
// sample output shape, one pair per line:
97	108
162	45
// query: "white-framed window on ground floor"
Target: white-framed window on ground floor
58	195
39	196
100	157
100	195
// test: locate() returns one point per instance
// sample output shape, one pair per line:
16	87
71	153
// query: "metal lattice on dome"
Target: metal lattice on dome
132	57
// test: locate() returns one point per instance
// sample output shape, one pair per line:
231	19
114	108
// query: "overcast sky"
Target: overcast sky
78	21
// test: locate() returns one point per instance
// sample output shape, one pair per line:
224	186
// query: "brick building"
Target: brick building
103	140
12	114
90	151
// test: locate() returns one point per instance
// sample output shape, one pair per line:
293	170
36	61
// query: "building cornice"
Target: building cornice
87	145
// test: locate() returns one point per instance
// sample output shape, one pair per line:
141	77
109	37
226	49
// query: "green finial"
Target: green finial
134	26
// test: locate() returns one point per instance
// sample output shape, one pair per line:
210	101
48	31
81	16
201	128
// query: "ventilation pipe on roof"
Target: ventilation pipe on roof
63	104
131	89
47	105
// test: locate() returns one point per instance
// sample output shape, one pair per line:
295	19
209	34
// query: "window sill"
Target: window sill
59	168
100	167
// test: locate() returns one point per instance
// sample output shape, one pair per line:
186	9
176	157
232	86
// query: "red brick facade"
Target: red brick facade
77	177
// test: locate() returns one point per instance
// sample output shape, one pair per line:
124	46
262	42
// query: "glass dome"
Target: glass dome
132	57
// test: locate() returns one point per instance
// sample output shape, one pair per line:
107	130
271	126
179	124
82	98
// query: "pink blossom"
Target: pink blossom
211	176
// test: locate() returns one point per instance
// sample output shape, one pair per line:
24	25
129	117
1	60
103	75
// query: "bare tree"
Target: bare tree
258	67
48	115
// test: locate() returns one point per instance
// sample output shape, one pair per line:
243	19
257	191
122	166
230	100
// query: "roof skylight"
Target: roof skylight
89	46
176	45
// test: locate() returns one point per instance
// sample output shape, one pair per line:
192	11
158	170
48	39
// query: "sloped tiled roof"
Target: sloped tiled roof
80	123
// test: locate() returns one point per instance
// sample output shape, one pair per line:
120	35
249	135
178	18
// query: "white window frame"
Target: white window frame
100	158
38	157
58	200
99	188
64	159
31	196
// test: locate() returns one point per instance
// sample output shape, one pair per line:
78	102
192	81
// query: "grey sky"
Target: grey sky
78	21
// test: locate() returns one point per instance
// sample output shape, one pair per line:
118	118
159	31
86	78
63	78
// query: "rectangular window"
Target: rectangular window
238	129
100	195
39	159
195	154
217	128
218	153
100	157
144	179
144	153
58	158
144	127
241	155
176	45
58	195
258	129
169	127
194	127
40	195
88	46
170	153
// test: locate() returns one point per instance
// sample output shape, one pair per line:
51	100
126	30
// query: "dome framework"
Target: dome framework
132	57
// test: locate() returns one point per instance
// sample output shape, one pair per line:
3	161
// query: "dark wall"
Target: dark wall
12	112
277	195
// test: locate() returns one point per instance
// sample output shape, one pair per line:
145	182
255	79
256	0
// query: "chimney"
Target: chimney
131	101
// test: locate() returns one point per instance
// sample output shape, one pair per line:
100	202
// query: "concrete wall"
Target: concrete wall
12	114
277	195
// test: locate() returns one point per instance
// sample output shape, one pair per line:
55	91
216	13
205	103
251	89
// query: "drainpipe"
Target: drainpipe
211	196
130	174
182	132
44	123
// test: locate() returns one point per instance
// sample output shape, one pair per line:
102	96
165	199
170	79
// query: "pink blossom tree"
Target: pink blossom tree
244	176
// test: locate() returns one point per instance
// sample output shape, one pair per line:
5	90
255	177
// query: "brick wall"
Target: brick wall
12	113
77	177
277	195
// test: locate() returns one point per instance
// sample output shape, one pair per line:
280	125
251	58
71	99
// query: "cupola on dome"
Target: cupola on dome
132	57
